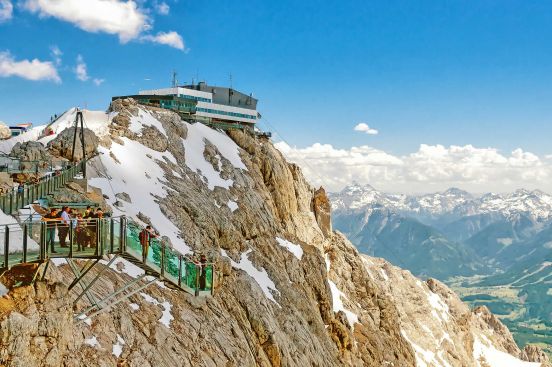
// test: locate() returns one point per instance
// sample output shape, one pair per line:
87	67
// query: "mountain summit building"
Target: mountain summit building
211	105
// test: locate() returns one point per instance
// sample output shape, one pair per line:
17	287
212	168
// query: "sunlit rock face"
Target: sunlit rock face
290	291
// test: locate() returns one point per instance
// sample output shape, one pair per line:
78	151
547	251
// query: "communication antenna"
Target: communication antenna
231	81
174	79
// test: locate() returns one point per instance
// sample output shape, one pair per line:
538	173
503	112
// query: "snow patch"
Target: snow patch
496	358
293	248
93	342
166	316
58	261
126	267
194	145
260	276
338	303
3	290
505	241
232	205
118	346
143	119
137	164
134	306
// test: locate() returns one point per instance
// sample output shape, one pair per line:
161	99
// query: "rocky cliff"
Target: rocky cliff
290	291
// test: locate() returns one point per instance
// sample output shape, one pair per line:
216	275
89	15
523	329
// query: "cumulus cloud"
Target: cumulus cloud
122	18
162	8
365	129
98	81
56	54
81	70
27	69
6	10
171	39
430	168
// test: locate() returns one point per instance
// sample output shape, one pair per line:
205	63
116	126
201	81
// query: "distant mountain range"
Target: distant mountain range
496	248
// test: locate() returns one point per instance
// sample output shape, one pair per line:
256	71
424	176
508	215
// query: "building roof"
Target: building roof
226	96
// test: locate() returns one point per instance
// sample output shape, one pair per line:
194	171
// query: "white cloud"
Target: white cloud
430	168
56	54
162	8
172	39
122	18
6	10
98	81
81	70
365	129
31	70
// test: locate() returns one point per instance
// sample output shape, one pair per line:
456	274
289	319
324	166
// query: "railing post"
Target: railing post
180	271
11	203
198	269
122	236
43	248
71	239
98	235
111	234
6	246
162	259
25	242
212	278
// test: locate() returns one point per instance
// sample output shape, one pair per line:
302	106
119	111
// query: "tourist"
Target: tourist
20	193
80	232
63	227
51	219
88	213
145	238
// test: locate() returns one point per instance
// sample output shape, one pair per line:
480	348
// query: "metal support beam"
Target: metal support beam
103	305
95	278
79	279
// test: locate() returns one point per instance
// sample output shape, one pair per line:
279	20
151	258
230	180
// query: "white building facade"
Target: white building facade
217	104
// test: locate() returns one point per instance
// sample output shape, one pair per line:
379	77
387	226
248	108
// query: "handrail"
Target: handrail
13	200
94	238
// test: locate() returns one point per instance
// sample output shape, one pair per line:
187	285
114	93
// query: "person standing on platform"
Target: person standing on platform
51	220
63	227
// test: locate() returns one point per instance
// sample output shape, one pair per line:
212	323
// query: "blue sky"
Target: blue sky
431	72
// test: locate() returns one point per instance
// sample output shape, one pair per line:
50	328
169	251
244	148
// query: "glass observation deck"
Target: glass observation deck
40	241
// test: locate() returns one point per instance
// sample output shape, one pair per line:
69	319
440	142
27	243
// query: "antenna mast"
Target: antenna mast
174	79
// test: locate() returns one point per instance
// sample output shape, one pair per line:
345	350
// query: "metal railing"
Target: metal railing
14	200
40	241
15	165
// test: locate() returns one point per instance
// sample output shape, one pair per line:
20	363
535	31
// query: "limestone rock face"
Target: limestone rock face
30	151
532	353
322	211
289	291
437	323
62	145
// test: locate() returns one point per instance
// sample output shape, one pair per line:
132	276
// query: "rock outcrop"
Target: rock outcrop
62	145
5	132
289	291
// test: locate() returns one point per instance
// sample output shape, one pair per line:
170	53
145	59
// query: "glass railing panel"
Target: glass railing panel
171	265
191	275
133	246
85	238
116	234
154	255
33	241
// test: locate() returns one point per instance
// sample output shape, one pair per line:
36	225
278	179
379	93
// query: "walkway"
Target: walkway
28	242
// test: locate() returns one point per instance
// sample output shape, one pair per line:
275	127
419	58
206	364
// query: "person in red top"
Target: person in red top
145	237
